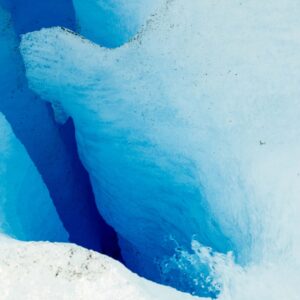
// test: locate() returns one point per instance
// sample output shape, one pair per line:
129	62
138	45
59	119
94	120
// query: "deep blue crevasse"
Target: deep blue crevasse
51	146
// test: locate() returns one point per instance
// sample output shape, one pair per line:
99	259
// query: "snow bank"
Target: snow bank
50	271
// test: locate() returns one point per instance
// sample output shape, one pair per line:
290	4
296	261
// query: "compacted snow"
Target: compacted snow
48	271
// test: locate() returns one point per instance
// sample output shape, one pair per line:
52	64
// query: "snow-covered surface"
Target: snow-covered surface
26	208
50	271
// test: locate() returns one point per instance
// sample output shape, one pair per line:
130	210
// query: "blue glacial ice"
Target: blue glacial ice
20	183
112	23
190	131
29	15
51	146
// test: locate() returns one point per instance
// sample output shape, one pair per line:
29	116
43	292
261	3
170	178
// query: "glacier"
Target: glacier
29	15
185	161
190	135
20	182
50	145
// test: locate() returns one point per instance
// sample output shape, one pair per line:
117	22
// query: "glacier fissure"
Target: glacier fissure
174	137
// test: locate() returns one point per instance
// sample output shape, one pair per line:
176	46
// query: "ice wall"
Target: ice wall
29	15
148	192
190	131
51	146
26	209
112	23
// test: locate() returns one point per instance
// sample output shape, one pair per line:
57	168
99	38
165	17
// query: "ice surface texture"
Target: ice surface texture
190	129
20	184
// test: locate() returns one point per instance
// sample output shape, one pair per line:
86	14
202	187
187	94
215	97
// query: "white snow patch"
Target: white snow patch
41	270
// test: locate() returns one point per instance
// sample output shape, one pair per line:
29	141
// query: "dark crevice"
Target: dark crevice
52	147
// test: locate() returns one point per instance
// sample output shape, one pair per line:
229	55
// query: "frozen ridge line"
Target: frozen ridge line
43	270
48	271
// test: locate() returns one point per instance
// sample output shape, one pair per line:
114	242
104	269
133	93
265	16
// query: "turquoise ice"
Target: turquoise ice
112	23
50	145
26	209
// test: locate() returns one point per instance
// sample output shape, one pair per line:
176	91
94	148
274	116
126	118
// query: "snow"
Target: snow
26	209
191	130
50	271
39	270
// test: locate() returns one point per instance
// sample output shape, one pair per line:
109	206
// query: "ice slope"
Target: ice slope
51	146
190	131
50	271
137	195
112	23
26	209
